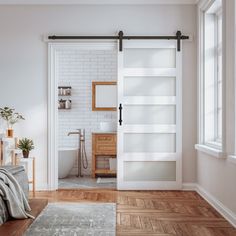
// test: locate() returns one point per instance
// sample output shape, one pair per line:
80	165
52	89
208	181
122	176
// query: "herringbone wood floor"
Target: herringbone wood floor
161	213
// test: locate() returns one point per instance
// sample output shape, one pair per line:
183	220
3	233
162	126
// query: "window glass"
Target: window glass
213	75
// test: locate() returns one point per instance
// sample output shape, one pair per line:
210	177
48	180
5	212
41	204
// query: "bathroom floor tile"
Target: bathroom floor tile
84	183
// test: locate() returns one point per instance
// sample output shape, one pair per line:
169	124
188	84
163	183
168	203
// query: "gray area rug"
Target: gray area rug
75	219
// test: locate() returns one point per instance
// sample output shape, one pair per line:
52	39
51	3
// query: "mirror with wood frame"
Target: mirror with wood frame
104	96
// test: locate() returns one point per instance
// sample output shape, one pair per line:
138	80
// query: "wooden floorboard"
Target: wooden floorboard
18	227
160	213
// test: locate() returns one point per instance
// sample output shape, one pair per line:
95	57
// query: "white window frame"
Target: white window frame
214	148
218	48
216	142
232	15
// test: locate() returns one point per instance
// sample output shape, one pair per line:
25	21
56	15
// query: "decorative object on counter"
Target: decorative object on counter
64	90
11	117
26	145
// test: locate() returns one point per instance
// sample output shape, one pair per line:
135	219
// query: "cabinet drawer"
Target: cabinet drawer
105	144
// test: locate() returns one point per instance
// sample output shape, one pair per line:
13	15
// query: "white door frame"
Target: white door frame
52	118
53	49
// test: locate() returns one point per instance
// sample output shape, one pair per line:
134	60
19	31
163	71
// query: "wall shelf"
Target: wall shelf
62	105
64	90
64	108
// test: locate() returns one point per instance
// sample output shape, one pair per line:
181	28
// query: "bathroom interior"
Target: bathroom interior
87	118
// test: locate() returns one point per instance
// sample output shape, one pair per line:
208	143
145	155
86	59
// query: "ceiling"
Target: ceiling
95	2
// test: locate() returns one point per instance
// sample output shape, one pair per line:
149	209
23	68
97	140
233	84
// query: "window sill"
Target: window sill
232	158
217	153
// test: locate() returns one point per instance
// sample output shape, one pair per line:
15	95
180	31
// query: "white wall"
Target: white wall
217	176
78	68
23	61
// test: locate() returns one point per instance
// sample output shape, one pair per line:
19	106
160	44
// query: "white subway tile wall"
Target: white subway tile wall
78	68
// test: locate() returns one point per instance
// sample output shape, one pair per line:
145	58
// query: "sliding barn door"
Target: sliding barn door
149	123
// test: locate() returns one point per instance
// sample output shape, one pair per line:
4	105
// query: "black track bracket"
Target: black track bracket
120	35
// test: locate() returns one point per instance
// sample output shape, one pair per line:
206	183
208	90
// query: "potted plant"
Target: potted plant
11	117
26	145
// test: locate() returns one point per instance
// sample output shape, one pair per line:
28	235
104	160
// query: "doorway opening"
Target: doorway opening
84	118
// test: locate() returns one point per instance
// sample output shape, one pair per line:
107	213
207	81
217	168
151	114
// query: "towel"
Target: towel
11	192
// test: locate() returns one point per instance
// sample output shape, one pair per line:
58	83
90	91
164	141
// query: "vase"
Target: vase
25	154
10	133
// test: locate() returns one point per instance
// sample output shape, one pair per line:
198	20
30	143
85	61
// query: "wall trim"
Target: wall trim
213	152
189	186
213	201
219	206
98	2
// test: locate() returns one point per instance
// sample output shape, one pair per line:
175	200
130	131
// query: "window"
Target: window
212	76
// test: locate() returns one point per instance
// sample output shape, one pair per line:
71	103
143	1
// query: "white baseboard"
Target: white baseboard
220	207
42	187
189	186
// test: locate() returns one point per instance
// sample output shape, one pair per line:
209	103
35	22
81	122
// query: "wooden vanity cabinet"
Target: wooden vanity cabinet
103	144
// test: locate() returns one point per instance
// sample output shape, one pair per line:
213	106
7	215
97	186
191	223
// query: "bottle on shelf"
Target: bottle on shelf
62	104
68	104
61	91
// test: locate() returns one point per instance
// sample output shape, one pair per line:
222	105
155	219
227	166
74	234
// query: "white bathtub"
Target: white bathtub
66	160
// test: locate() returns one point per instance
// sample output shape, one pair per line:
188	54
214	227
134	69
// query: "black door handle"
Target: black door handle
120	117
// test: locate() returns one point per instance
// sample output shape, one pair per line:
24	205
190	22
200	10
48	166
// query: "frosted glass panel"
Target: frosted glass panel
149	58
150	171
149	86
149	114
153	142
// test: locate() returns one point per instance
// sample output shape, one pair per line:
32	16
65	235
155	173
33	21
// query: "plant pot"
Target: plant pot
10	133
25	154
